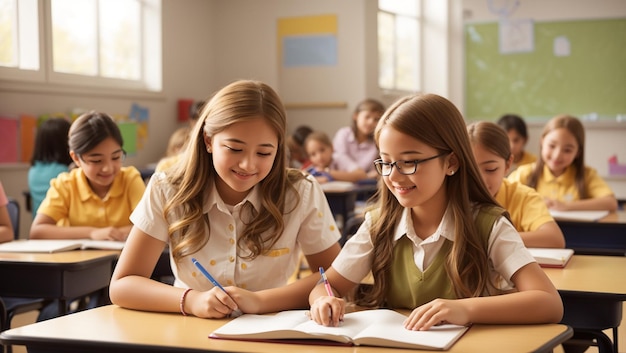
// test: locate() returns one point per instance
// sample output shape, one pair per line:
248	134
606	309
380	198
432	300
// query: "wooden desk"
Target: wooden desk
64	275
111	328
593	289
604	237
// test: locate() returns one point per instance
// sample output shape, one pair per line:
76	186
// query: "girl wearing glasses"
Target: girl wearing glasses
436	242
95	199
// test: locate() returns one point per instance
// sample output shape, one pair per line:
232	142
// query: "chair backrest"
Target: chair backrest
14	213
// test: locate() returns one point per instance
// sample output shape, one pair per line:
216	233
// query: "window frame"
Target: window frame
395	91
46	79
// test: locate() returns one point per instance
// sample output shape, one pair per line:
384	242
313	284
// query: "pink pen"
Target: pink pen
329	290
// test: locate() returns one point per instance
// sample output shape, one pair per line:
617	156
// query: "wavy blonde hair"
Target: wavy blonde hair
436	122
194	177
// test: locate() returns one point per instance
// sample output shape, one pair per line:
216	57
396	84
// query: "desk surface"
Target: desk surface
111	328
590	273
618	217
64	258
63	275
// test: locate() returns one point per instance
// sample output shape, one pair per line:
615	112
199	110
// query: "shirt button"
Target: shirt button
244	266
231	227
332	228
243	286
229	282
320	215
231	241
231	259
212	262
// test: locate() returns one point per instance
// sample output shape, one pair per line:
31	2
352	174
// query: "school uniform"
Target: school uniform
308	226
526	207
70	201
563	187
417	264
346	150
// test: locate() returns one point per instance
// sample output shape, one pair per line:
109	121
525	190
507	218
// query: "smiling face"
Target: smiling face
101	164
320	154
492	167
243	155
423	188
559	148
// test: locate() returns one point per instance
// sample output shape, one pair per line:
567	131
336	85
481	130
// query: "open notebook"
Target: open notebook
59	245
380	327
547	257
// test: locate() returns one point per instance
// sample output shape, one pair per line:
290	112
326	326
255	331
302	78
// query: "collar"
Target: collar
84	189
214	200
569	174
405	226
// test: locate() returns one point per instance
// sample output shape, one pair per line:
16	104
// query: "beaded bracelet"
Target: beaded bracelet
182	301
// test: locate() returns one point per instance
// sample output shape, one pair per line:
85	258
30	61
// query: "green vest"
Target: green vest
409	287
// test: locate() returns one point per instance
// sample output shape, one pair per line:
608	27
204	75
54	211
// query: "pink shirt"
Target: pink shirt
347	150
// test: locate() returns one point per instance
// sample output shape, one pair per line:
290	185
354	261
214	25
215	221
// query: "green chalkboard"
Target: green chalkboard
538	84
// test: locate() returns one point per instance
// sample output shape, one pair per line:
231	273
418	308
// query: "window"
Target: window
98	43
399	45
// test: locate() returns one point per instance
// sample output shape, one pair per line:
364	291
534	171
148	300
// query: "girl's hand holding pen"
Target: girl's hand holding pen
212	304
328	311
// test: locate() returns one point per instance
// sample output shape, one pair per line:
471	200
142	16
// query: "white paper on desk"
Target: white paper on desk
58	245
583	216
337	186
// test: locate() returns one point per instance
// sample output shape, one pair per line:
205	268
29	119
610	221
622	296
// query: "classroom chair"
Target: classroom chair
13	305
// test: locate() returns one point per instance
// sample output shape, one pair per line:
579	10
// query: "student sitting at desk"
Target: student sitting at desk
51	157
529	213
355	143
324	168
241	214
560	175
95	199
436	241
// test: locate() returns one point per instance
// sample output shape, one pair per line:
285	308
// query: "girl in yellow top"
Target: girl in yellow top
436	242
515	128
233	206
529	213
95	199
560	175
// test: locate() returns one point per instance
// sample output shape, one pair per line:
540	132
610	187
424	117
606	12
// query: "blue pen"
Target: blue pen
207	274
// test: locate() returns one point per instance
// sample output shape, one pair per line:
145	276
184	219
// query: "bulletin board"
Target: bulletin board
568	67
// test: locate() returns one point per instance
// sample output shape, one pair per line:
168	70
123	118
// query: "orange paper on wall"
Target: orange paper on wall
28	129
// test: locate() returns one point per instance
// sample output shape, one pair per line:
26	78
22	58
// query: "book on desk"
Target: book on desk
551	257
379	327
59	245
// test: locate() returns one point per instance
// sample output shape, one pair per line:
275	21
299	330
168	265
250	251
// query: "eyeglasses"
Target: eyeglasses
403	167
118	158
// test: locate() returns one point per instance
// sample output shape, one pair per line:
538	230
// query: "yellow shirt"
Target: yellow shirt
167	162
71	202
526	207
563	187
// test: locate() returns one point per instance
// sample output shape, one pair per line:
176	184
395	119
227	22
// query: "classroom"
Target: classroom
207	44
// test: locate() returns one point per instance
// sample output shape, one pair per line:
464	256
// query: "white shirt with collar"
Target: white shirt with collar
309	227
507	252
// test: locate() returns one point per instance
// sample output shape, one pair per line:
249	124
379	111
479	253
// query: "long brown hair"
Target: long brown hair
436	122
575	127
491	136
238	102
